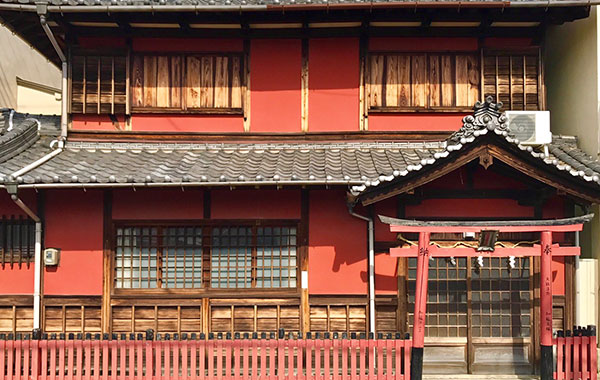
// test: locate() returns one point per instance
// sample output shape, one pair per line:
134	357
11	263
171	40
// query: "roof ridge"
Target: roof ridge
115	145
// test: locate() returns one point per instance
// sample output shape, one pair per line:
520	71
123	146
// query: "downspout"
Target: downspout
371	260
42	10
12	189
37	272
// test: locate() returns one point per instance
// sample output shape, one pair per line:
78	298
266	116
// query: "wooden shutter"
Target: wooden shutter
423	81
514	78
98	84
187	82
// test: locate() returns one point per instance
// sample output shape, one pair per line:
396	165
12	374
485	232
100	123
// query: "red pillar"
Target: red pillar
546	364
420	307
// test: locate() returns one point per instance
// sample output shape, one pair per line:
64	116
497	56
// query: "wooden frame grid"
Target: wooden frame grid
17	240
291	250
189	82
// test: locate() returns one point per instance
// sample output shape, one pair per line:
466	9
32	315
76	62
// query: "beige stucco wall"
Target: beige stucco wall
30	100
571	52
19	59
572	70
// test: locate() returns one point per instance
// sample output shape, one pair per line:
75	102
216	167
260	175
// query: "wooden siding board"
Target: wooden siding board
418	77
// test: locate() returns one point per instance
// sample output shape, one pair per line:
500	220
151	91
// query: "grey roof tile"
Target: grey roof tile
360	165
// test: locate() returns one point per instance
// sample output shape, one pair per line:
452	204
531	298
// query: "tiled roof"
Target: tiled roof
563	153
358	165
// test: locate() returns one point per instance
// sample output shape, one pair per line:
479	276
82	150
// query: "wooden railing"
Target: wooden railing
576	354
244	357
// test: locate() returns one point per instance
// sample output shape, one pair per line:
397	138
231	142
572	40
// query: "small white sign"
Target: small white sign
304	279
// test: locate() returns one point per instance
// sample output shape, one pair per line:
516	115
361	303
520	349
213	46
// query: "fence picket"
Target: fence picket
17	368
353	348
256	359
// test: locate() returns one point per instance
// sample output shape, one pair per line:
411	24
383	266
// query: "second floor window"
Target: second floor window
187	82
206	256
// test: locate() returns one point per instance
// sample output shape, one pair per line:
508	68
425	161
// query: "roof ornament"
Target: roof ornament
486	117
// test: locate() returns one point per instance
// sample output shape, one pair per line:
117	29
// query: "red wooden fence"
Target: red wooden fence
219	359
576	356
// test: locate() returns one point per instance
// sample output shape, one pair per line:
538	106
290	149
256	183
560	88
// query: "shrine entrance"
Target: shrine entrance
472	301
479	315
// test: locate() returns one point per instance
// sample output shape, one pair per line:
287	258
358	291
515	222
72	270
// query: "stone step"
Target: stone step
480	377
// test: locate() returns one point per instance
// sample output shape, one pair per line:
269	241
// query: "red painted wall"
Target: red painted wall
337	246
415	122
95	123
149	204
16	279
255	204
187	123
74	224
333	98
471	208
276	67
386	267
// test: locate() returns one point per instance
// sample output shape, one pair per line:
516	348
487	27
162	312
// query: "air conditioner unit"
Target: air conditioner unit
530	127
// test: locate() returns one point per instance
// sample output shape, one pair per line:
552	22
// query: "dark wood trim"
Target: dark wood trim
137	136
204	293
207	203
17	300
188	111
107	256
211	222
304	88
411	110
402	265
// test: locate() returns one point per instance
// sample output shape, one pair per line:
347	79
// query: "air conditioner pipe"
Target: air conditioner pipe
43	11
371	263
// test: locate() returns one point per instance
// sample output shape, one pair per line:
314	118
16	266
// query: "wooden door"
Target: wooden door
479	315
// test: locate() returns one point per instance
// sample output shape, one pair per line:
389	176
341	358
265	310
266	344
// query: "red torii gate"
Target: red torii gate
546	249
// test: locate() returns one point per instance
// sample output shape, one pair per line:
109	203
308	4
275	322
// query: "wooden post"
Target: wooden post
416	365
546	365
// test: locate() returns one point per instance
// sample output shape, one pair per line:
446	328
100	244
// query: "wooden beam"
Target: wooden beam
556	225
533	251
304	261
304	85
246	92
107	260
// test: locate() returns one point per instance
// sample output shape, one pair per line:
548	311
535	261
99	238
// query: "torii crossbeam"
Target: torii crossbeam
546	249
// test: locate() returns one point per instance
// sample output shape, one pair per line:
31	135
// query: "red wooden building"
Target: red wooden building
219	167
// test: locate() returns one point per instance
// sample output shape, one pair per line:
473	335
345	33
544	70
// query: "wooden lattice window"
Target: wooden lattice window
501	299
187	82
17	240
206	256
504	74
98	84
446	297
413	81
